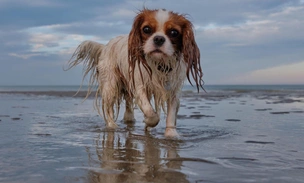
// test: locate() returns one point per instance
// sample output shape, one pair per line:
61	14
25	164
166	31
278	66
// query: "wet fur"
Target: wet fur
123	72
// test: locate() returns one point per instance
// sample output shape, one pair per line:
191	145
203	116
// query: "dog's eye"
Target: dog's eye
147	30
173	33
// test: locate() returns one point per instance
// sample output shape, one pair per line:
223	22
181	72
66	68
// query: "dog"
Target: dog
147	66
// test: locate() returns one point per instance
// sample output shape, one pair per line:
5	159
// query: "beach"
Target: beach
226	135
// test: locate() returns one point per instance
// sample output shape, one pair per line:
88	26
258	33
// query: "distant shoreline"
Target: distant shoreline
186	87
51	93
216	94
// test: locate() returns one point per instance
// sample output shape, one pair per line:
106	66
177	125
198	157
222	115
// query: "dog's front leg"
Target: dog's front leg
172	109
151	117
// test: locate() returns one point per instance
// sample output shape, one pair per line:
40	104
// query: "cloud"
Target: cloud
267	39
284	74
42	41
31	3
237	38
23	56
107	29
257	29
123	13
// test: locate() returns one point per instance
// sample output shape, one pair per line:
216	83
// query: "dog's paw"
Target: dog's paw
171	133
152	121
129	117
112	125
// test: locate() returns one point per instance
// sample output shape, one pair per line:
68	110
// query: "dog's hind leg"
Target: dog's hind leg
110	97
129	113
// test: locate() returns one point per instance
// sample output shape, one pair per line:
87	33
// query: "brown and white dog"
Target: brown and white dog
148	65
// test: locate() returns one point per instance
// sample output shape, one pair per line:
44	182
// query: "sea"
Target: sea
227	134
208	88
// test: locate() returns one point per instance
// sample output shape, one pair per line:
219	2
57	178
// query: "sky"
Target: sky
241	41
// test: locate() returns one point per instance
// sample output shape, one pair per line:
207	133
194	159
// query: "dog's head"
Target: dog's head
159	34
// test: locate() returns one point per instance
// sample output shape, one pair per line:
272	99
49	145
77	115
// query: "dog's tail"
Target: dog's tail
87	52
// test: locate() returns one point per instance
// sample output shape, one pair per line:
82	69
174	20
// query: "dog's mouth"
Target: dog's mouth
157	51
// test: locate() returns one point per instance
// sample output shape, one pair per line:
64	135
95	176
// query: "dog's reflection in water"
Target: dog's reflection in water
125	157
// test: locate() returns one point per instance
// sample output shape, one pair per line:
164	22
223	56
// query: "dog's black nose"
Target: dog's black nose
159	40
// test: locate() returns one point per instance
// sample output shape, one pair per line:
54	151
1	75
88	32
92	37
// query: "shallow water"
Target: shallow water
238	138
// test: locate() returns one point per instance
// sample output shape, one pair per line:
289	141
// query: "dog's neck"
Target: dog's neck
164	68
163	65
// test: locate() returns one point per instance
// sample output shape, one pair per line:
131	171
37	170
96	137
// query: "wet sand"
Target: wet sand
226	136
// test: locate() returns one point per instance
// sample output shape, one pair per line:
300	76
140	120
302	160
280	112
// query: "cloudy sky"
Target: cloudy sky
241	41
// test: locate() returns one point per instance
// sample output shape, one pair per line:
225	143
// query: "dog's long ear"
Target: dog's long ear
135	42
191	55
135	47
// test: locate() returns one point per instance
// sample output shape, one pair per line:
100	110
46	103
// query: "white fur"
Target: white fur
161	17
109	65
163	87
166	48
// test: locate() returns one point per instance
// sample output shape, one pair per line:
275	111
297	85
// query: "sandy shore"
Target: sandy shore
226	136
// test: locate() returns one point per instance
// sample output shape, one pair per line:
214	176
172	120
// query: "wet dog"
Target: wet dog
148	65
